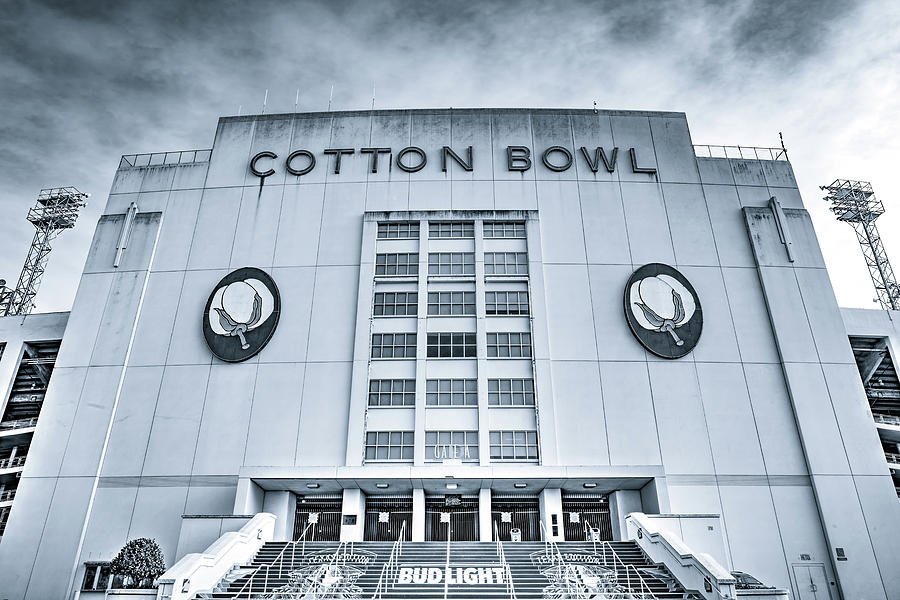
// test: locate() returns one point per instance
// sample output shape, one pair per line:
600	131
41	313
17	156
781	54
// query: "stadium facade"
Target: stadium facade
467	323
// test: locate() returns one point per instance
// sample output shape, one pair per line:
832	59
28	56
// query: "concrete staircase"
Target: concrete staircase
477	570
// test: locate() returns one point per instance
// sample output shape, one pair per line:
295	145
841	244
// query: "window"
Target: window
459	445
393	345
96	577
451	392
506	303
514	445
451	345
451	303
451	263
389	445
392	392
389	304
398	231
509	345
510	392
450	229
397	263
497	229
504	263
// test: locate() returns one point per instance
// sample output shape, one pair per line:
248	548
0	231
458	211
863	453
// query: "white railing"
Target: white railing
744	152
391	569
892	458
12	463
160	159
507	571
19	423
7	495
886	419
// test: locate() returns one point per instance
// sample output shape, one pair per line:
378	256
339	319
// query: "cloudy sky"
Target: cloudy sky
82	83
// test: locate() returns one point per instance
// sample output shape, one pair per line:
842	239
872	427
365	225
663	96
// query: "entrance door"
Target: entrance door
320	517
582	512
385	516
812	583
459	513
516	512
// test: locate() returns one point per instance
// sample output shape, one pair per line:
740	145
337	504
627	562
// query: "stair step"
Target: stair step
284	566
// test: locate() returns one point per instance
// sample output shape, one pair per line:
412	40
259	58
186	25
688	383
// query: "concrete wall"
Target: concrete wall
182	425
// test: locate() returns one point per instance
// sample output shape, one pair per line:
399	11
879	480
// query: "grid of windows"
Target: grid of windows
451	303
397	263
398	231
451	392
451	263
507	230
393	345
389	445
451	229
392	392
450	345
509	345
511	392
389	304
504	263
459	445
506	303
514	445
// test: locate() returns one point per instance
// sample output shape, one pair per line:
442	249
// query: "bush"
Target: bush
141	561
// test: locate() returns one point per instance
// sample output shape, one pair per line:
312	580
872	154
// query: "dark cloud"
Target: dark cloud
84	82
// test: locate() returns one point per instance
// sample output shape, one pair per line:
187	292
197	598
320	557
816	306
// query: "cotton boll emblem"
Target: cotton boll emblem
241	314
663	310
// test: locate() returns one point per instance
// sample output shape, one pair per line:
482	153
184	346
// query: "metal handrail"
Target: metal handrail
743	152
162	159
19	423
886	419
12	463
628	568
391	569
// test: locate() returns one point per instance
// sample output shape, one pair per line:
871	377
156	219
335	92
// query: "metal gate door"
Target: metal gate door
584	511
323	516
385	516
520	512
462	514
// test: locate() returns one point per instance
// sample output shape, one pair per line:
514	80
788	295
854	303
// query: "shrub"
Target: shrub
141	561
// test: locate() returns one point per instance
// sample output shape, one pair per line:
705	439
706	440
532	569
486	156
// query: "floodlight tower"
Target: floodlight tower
854	202
56	209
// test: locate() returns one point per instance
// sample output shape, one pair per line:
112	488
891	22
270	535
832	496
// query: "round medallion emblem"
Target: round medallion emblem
241	314
663	310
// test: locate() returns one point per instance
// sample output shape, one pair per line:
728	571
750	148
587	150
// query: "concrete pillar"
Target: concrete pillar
353	515
655	497
621	503
248	500
485	525
418	520
550	501
283	505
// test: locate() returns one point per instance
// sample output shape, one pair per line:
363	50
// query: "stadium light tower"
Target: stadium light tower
56	209
854	202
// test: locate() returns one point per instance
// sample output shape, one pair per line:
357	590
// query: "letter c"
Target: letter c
257	172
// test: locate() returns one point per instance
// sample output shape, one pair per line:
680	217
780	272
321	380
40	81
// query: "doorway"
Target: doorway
583	513
812	582
457	513
520	512
385	516
320	517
